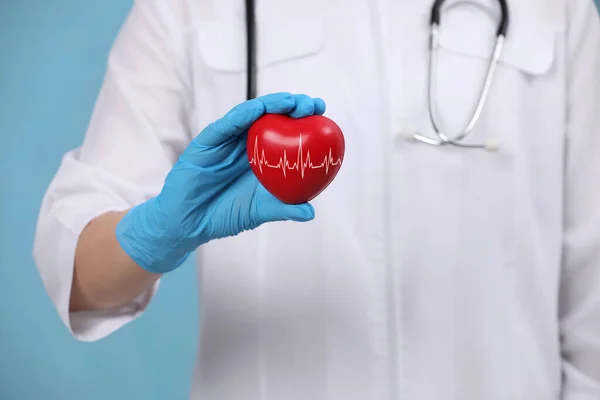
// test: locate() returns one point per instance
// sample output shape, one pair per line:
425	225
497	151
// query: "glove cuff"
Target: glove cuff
143	242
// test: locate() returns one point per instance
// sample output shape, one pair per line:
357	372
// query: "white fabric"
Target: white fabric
429	273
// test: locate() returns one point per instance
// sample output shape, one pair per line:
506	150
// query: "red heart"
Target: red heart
295	159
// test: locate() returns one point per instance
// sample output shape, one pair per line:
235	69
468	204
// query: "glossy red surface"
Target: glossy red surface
295	159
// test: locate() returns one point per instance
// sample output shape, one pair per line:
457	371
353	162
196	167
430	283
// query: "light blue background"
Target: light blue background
52	60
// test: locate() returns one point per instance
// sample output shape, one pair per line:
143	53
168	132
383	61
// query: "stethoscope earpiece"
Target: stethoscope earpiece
491	145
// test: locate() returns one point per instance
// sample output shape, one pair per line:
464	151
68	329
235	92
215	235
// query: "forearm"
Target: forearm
104	275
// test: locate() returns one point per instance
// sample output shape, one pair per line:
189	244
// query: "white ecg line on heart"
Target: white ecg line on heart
301	164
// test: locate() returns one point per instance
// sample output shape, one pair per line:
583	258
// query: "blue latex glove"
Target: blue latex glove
211	192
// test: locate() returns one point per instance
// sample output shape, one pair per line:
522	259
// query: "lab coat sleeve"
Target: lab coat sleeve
580	288
138	128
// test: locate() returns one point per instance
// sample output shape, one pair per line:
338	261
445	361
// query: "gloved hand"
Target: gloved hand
211	192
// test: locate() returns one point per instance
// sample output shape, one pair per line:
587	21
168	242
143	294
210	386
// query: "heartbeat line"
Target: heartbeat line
300	164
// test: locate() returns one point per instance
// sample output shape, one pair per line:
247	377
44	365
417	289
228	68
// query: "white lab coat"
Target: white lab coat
429	273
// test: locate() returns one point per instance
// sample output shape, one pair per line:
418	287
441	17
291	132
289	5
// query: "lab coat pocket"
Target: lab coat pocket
519	86
528	46
222	44
286	49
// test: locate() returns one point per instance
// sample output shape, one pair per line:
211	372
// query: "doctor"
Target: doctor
423	272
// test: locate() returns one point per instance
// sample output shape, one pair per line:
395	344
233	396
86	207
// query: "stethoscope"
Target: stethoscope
442	138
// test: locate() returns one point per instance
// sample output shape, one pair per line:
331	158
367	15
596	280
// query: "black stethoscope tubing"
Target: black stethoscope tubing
436	9
251	50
